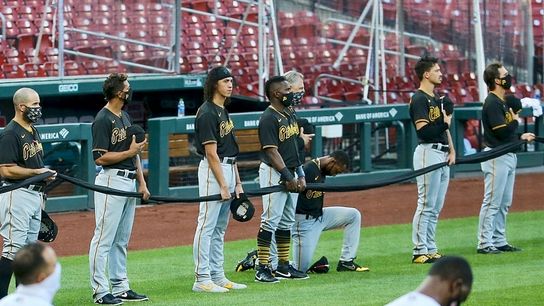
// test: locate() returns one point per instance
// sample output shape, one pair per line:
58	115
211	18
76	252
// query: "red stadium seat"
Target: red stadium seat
34	70
12	71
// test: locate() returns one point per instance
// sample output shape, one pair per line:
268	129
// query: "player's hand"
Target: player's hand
292	185
136	147
43	170
447	118
144	191
451	157
238	190
528	137
515	116
301	184
307	138
225	194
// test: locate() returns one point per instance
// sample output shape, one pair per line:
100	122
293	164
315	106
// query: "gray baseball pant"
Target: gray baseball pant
431	190
213	218
499	177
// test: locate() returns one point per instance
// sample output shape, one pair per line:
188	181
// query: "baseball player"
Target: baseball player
21	157
448	283
500	124
217	174
114	215
435	146
312	219
278	131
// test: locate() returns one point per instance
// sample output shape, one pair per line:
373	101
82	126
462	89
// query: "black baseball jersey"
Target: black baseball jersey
213	125
425	108
495	115
110	134
20	147
279	130
310	202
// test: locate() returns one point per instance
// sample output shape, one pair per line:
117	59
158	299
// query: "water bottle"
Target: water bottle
181	108
537	94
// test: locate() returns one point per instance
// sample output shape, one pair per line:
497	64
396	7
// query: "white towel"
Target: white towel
534	104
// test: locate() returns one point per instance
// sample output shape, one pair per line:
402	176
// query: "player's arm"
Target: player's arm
210	149
426	131
103	157
142	185
8	160
451	154
238	188
502	129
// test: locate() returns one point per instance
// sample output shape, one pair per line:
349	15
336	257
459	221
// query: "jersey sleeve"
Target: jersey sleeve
101	130
420	109
206	128
10	149
495	116
311	171
268	132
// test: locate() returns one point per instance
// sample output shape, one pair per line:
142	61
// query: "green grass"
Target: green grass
166	275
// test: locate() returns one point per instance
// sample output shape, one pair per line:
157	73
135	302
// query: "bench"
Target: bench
178	147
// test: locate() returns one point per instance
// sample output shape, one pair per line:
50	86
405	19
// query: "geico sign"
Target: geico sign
68	88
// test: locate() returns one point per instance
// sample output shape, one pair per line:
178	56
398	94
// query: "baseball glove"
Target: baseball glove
248	262
48	228
321	266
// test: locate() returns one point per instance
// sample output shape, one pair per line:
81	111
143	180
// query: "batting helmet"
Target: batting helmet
48	228
514	103
242	209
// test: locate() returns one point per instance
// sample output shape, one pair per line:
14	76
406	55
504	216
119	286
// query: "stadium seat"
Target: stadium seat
12	71
33	70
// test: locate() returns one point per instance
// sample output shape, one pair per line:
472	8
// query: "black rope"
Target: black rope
358	186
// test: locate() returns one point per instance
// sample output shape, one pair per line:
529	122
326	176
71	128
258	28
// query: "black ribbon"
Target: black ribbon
358	186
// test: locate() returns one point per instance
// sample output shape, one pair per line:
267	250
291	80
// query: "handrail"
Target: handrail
4	24
188	10
127	63
334	77
104	35
423	37
335	41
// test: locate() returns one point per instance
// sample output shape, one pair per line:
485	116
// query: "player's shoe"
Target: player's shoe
508	248
131	296
350	266
230	285
488	250
263	274
108	299
287	271
422	259
248	262
208	287
435	255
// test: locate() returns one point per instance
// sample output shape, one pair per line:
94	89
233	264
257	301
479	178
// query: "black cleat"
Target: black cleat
488	250
350	266
131	296
108	299
264	275
288	272
508	248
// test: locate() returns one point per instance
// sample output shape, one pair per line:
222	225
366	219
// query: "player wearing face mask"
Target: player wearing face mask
280	162
36	268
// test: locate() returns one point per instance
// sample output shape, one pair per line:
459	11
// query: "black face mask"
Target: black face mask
287	100
32	114
128	97
506	82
